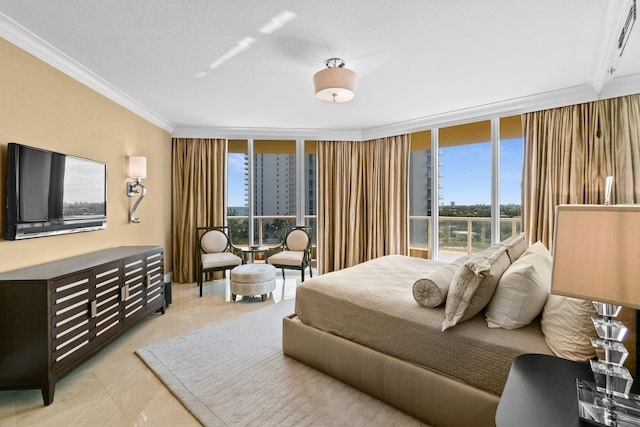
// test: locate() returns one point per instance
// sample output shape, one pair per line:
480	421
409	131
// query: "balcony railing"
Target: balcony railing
457	235
269	229
463	235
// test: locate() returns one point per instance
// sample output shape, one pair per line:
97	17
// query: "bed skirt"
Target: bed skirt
426	395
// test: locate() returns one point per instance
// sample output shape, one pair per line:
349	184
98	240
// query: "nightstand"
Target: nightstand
541	392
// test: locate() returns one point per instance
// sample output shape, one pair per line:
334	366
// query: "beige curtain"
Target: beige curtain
198	194
569	152
362	200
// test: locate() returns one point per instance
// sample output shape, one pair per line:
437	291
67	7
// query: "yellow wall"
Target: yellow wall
43	107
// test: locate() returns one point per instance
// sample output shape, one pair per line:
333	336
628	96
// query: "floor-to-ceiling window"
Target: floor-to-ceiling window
464	190
511	158
274	190
238	191
272	187
458	185
310	179
420	194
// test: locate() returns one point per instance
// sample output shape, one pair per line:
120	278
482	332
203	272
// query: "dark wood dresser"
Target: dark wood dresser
56	315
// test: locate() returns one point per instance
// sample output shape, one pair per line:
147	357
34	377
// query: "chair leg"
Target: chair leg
303	274
311	270
233	297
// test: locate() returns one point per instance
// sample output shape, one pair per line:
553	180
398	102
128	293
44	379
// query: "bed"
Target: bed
363	326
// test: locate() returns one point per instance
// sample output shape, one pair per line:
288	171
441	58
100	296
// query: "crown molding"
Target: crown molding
509	107
621	86
554	99
26	40
267	133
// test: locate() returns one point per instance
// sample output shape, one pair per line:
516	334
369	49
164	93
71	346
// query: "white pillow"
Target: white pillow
522	290
568	328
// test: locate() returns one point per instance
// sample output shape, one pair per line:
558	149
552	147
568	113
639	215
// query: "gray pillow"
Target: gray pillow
516	245
474	285
431	291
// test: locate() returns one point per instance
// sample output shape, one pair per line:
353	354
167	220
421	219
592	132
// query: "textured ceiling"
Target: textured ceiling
249	64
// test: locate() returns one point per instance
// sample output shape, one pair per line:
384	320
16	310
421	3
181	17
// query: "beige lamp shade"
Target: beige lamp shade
137	167
596	253
335	84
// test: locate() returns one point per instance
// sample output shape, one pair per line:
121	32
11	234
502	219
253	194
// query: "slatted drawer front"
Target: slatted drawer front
60	313
134	275
70	321
107	317
155	273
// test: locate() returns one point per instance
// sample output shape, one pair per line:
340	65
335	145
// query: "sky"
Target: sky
466	173
235	180
465	170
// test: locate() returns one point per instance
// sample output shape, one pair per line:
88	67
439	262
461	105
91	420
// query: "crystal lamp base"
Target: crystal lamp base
596	408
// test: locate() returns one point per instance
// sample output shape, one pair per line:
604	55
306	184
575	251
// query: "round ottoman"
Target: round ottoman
253	279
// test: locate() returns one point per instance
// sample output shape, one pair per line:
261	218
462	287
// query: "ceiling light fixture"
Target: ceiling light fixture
335	83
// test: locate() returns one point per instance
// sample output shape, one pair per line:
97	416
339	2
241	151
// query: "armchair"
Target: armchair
293	253
214	252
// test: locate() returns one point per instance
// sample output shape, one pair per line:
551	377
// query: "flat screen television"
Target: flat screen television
50	193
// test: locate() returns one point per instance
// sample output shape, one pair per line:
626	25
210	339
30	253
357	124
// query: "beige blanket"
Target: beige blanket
372	304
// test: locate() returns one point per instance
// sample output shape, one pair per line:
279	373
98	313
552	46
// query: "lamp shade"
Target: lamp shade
335	84
596	253
137	167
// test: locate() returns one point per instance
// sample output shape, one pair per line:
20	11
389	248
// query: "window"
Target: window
511	163
420	194
237	191
464	190
275	211
464	182
310	194
267	194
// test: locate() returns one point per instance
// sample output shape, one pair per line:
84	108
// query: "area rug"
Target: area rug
233	373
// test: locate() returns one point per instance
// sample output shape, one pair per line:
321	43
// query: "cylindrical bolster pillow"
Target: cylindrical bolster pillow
432	290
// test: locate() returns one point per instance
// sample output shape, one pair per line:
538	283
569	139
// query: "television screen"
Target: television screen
84	189
53	193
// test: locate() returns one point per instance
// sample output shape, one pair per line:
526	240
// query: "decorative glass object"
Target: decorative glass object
608	402
594	407
593	249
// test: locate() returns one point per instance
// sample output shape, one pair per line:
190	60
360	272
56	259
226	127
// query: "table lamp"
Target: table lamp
596	257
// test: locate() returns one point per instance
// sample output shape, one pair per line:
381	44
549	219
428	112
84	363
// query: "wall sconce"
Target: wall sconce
137	171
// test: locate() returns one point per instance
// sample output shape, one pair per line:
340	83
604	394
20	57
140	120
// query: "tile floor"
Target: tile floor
115	388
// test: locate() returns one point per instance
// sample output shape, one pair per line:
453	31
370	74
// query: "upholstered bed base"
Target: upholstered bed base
431	397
